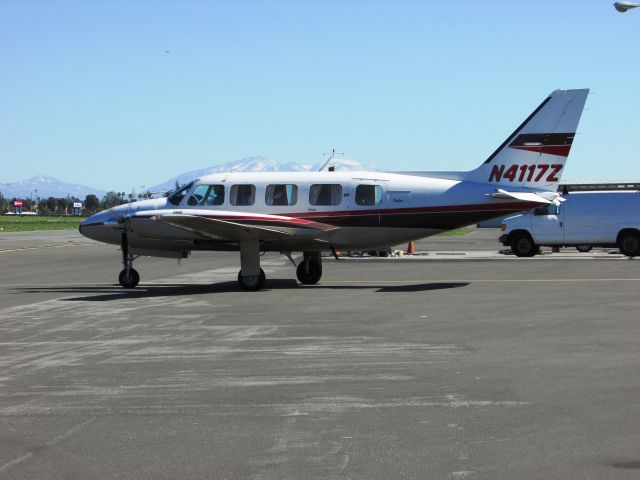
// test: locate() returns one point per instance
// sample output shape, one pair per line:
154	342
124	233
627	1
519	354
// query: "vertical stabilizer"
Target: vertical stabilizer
534	155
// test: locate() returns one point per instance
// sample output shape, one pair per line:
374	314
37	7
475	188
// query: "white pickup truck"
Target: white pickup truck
584	219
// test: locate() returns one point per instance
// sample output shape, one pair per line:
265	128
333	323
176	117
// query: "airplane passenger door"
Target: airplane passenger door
368	194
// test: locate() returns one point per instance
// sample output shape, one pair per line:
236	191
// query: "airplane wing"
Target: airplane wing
262	227
523	196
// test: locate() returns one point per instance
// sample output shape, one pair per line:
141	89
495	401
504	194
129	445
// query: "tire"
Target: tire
314	275
629	244
129	281
251	283
584	248
522	245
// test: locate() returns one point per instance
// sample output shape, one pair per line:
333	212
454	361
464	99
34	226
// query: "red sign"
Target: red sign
17	203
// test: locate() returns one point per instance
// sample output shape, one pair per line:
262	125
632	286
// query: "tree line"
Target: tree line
64	205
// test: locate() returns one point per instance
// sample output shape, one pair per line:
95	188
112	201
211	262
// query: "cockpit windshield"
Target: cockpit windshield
176	196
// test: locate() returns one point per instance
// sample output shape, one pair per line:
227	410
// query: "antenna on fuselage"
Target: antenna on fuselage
330	159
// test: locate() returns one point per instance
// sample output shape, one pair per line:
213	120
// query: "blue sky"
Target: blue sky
88	94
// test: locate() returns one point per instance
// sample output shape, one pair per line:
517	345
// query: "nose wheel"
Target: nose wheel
129	279
129	276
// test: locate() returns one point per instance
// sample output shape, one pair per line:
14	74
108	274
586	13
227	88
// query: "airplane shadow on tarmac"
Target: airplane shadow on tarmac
115	292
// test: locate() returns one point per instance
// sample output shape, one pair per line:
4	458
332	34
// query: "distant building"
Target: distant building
591	185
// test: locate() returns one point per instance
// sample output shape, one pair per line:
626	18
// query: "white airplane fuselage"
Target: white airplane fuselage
408	207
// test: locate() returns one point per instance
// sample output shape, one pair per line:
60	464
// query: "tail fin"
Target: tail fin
534	155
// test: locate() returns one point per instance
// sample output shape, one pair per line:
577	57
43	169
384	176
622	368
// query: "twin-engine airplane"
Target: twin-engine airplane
312	212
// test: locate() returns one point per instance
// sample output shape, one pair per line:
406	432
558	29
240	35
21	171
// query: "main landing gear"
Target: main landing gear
129	277
251	277
309	271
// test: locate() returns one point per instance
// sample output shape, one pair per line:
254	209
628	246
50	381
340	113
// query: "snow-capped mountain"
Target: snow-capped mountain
257	164
45	186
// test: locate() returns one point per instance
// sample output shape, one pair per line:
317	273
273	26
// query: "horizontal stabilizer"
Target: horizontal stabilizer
522	196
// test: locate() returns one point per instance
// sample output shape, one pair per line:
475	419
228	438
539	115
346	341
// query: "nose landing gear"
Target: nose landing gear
129	277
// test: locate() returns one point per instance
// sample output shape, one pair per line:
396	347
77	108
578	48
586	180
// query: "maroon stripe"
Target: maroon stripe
559	150
482	207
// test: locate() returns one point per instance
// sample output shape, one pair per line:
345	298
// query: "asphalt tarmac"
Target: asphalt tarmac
459	363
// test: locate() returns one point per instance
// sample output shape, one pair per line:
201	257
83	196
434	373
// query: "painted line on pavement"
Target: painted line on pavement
487	280
3	250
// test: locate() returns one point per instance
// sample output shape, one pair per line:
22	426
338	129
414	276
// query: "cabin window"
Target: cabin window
368	194
208	195
243	195
325	194
178	195
281	194
214	196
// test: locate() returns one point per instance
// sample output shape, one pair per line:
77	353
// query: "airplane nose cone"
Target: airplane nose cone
103	226
99	218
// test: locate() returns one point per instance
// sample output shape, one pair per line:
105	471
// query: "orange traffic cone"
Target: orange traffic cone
411	249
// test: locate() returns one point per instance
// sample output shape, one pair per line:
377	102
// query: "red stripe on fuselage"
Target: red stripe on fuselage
301	218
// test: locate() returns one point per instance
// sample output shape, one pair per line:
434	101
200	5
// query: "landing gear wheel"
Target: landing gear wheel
251	282
630	244
312	276
584	248
522	245
129	281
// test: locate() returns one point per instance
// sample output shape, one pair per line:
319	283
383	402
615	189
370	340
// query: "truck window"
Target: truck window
551	209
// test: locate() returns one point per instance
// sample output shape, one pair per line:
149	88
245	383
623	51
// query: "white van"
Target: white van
603	219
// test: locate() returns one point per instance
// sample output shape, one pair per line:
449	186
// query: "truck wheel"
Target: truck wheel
630	244
584	248
522	245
